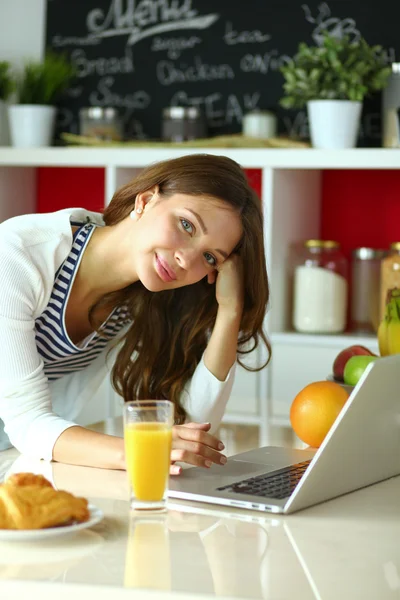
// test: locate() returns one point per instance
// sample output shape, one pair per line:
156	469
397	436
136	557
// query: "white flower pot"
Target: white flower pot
334	123
4	130
31	125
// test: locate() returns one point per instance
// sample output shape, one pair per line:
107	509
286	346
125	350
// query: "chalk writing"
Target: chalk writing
65	120
263	63
102	66
174	46
58	41
105	96
163	16
297	126
218	109
167	72
325	23
232	37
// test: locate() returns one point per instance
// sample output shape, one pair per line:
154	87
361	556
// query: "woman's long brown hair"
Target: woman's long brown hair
170	329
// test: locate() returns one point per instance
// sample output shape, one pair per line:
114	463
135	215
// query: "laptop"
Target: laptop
361	448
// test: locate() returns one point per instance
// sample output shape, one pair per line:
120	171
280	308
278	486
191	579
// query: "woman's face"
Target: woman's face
182	239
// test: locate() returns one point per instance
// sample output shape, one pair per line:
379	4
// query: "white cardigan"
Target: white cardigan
34	412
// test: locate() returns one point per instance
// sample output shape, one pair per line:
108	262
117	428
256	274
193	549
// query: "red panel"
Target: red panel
254	178
61	187
361	208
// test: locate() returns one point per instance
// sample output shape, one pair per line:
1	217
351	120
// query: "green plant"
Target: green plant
6	81
340	69
42	83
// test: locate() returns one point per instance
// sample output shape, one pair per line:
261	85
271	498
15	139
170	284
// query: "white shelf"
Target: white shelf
293	338
359	158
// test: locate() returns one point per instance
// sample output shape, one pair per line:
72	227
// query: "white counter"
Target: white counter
347	548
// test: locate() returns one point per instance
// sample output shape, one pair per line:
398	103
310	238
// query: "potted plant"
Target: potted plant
6	89
332	81
38	88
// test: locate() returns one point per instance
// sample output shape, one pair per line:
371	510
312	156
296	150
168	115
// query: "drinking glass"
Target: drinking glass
148	438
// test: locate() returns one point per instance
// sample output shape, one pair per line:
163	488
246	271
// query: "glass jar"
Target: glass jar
259	124
100	123
320	288
180	124
390	275
365	289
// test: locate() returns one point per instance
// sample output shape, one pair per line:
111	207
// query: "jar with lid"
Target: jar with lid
259	124
320	288
180	124
100	123
390	275
365	289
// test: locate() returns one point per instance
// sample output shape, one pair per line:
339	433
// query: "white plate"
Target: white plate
25	535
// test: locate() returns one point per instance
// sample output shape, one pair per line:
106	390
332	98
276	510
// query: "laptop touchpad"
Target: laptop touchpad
237	468
247	469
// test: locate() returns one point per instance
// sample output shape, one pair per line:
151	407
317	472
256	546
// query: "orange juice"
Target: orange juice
147	455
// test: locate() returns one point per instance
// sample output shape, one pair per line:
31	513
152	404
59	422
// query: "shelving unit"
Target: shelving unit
291	198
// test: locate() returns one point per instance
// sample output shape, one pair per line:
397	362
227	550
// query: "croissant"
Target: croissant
3	516
27	479
29	501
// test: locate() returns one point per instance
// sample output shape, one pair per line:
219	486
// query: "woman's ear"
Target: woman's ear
144	198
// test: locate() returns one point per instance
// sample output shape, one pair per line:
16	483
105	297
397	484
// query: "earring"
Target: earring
133	214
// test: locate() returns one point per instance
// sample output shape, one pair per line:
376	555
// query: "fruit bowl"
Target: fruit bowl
348	388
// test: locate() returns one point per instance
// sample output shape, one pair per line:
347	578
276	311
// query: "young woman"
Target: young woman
166	289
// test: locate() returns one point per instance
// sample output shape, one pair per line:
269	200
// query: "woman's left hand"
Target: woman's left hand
193	444
229	287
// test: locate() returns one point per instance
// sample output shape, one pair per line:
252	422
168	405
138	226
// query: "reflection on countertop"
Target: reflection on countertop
345	548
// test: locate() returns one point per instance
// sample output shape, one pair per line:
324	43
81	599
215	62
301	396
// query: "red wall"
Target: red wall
59	188
359	207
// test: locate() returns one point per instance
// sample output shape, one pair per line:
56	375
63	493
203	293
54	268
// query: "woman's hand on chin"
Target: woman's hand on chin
192	444
229	287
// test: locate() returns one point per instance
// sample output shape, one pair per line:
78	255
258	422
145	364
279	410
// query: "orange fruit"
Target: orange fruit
315	409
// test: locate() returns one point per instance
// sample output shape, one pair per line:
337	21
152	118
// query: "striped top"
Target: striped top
59	354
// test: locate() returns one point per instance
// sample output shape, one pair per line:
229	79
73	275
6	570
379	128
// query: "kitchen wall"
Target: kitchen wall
22	25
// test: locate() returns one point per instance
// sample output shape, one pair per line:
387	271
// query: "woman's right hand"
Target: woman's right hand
192	444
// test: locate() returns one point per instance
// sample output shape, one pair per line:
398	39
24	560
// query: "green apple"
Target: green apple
355	367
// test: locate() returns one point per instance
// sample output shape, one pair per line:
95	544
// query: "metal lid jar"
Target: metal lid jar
100	123
365	288
320	288
180	124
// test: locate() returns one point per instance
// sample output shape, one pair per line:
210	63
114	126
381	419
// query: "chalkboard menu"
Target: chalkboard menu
141	56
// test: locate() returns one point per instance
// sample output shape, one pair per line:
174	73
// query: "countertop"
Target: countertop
345	548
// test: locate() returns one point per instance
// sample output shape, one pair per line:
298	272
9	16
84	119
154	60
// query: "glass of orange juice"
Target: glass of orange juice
148	438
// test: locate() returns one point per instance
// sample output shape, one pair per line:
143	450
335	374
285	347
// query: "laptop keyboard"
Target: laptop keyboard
279	484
